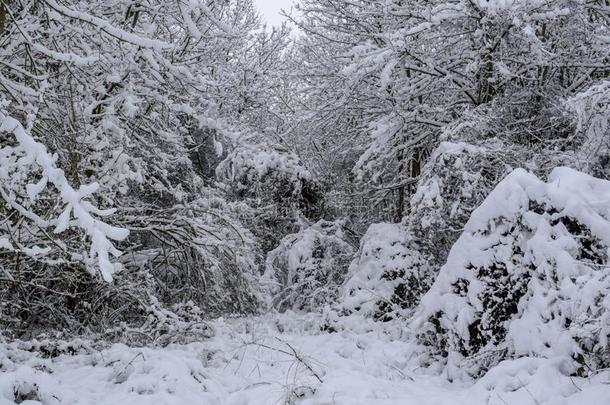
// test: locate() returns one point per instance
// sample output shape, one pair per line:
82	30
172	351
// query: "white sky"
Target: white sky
270	10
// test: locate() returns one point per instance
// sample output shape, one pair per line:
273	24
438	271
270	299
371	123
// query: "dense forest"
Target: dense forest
424	183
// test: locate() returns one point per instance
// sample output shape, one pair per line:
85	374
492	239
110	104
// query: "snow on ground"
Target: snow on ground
279	360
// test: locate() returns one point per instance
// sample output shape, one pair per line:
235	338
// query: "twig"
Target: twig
292	353
501	399
300	359
577	387
528	391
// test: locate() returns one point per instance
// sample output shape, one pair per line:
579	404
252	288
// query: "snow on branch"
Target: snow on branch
83	211
591	110
106	27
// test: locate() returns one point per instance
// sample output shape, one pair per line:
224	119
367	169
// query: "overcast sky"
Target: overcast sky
270	9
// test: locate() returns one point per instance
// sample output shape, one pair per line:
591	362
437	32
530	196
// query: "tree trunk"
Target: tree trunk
405	192
3	13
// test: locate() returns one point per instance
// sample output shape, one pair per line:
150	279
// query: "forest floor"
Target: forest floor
280	360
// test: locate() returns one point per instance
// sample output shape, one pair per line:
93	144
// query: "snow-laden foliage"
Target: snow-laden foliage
398	262
591	109
529	276
254	170
456	179
389	274
198	252
194	252
383	80
306	270
124	96
27	171
276	187
158	159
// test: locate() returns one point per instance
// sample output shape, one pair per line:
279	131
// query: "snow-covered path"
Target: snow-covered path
250	362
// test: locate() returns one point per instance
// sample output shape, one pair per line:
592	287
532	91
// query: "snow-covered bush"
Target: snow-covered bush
528	276
257	164
161	325
389	274
270	175
196	252
276	185
306	270
398	262
456	179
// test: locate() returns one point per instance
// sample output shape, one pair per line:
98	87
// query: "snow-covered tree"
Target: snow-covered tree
391	76
123	94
